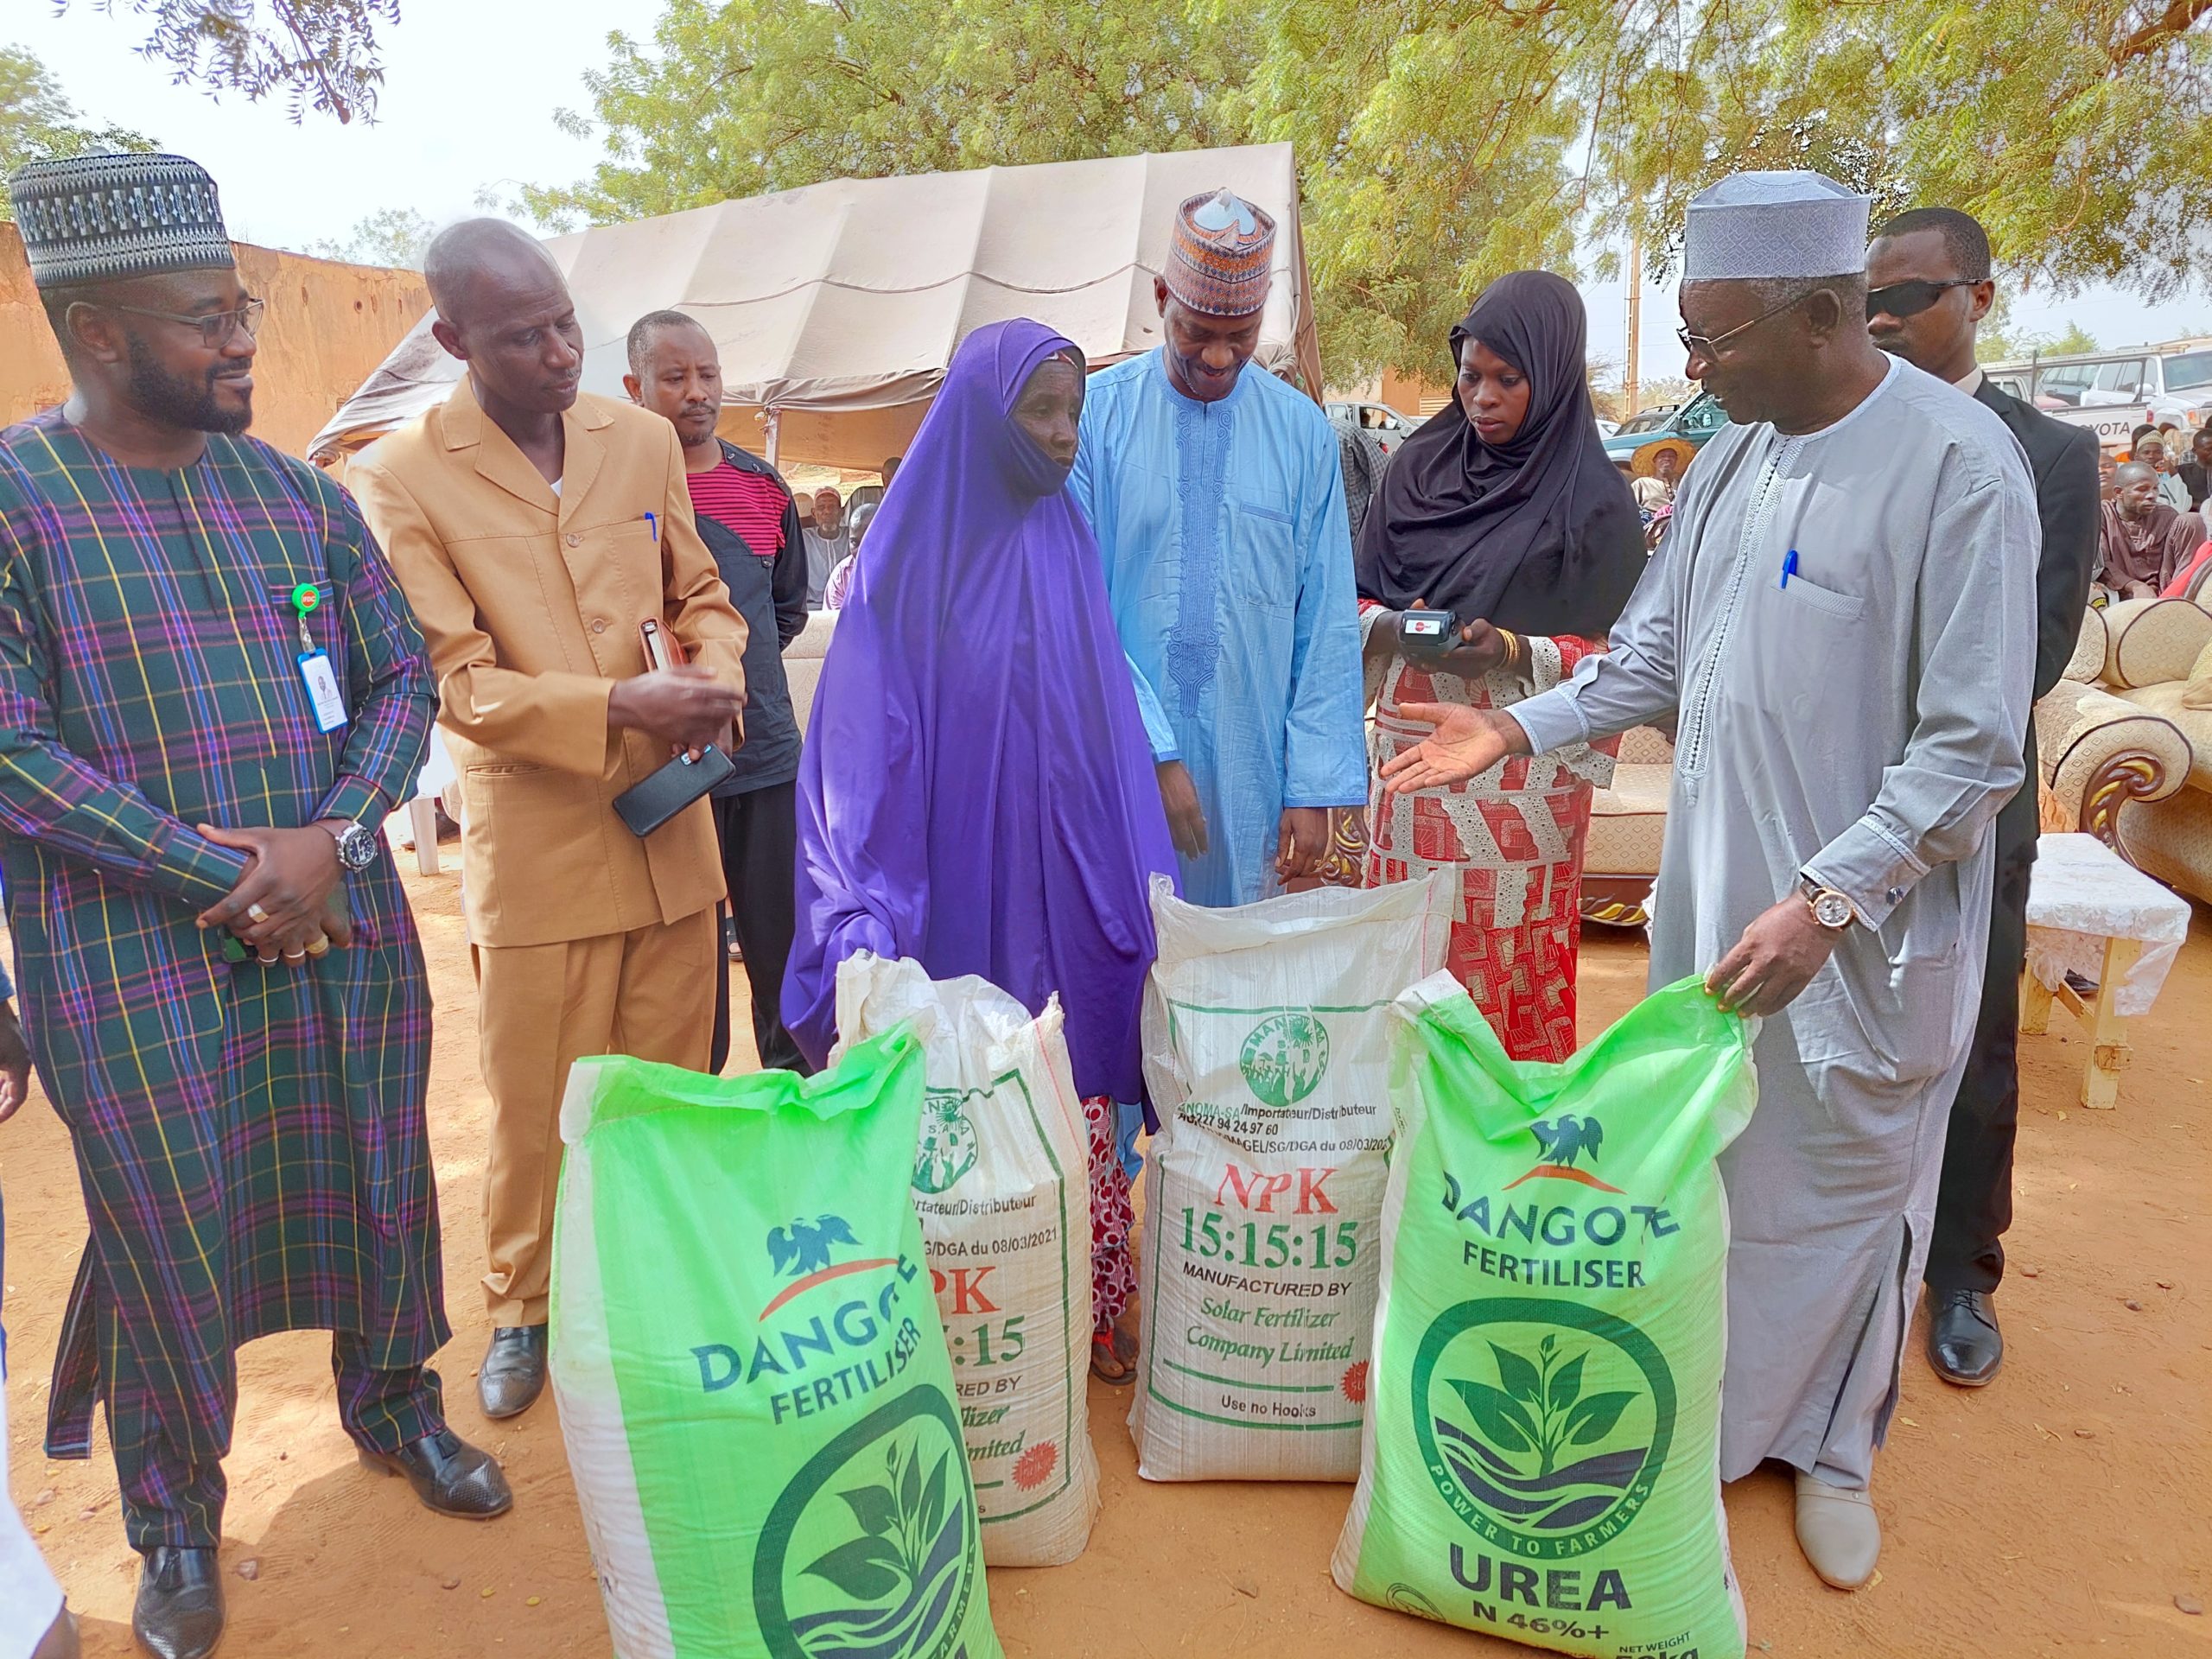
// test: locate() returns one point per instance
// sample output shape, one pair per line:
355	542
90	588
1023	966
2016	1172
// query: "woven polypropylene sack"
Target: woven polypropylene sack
754	1392
1266	1036
1002	1185
1541	1454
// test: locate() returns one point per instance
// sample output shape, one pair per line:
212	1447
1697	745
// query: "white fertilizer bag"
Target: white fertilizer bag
1002	1184
1267	1039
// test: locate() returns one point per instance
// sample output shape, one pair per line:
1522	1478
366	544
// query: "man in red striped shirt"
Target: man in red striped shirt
750	524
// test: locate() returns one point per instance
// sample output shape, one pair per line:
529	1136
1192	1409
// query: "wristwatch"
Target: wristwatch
1831	909
357	845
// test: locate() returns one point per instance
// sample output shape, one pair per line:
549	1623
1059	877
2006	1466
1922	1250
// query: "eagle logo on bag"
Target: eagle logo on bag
804	1247
949	1147
1564	1140
1285	1059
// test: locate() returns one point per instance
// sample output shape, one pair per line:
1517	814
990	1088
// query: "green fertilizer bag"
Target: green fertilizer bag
753	1386
1541	1458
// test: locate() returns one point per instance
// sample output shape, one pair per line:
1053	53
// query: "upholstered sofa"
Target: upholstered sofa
803	662
1627	823
2122	757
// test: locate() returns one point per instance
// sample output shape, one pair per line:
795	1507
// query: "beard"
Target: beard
179	399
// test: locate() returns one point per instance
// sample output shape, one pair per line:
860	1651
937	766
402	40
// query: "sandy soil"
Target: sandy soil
2060	1510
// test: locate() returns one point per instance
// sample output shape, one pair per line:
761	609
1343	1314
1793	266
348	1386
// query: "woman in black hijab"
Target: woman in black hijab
1502	514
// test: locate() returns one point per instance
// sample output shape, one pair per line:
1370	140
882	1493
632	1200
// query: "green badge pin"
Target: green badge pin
306	598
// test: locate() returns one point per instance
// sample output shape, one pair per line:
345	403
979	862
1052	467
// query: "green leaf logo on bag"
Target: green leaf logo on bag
1543	1423
871	1550
947	1148
1284	1058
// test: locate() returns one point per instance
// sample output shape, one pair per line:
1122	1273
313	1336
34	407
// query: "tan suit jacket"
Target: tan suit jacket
531	603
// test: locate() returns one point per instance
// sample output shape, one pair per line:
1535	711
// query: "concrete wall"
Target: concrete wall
328	325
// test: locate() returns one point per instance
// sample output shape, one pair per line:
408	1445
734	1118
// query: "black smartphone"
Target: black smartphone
1427	633
645	807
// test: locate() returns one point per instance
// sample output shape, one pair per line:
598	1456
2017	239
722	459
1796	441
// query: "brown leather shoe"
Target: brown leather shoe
450	1475
179	1612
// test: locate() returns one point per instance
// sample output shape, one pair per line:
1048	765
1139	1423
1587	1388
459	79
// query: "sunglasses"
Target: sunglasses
215	328
1908	299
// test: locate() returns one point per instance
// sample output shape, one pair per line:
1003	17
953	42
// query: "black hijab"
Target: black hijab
1540	535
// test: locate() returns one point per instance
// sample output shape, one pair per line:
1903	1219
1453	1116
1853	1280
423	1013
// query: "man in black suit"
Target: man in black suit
1928	274
2196	471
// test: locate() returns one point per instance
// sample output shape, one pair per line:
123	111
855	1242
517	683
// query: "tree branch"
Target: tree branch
338	105
2179	16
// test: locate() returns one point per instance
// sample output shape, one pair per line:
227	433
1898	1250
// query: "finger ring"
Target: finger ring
319	948
254	912
266	962
296	955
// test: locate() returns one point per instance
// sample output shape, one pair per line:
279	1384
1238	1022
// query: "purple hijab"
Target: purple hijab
977	791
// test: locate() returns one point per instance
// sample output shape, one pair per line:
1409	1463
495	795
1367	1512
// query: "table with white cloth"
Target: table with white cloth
2095	917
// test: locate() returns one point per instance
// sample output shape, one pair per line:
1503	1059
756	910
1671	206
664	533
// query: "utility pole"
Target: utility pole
1629	399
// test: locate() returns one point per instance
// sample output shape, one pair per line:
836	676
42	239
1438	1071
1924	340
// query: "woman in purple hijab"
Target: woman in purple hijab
977	792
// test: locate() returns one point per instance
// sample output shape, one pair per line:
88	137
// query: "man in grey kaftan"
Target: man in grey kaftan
1843	619
1861	725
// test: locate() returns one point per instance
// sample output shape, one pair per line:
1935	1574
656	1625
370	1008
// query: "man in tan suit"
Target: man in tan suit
534	529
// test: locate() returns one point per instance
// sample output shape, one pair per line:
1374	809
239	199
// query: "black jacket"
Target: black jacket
771	598
2196	478
2063	460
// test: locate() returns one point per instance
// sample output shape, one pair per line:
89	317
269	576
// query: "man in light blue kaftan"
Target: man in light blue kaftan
1218	499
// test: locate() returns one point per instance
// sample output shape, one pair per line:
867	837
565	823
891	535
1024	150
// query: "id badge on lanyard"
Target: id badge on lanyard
315	672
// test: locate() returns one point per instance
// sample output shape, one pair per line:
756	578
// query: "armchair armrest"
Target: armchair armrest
2097	753
2088	661
2150	641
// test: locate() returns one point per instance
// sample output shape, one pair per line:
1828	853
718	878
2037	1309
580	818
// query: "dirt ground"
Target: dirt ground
2060	1510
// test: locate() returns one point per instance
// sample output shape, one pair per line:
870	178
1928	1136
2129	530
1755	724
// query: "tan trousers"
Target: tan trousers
648	993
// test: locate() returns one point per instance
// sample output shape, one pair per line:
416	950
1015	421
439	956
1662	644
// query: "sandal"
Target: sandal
1114	1357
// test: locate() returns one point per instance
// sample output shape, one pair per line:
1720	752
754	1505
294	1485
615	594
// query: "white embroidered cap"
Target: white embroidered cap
1769	225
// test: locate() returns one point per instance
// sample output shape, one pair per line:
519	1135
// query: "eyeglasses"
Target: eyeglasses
1706	345
215	326
1908	299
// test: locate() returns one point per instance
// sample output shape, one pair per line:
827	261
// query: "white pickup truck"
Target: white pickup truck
2114	392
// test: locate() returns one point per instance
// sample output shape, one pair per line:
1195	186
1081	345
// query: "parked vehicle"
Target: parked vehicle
1693	423
1390	427
2114	392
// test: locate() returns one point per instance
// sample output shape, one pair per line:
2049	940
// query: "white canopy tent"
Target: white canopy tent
837	307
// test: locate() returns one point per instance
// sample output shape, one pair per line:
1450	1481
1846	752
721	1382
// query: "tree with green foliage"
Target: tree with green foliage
37	122
737	99
2073	339
1441	143
2074	131
392	236
317	54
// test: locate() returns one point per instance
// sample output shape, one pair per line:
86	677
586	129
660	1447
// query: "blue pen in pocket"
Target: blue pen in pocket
652	528
1788	567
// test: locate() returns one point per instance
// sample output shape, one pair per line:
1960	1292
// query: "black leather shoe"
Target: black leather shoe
450	1475
514	1373
1964	1344
179	1614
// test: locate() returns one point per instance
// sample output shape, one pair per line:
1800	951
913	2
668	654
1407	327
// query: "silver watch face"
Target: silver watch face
1832	910
357	847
